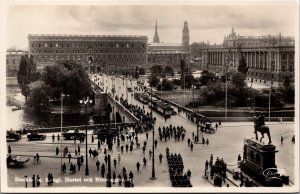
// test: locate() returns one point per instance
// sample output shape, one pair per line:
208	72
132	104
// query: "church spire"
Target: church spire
156	38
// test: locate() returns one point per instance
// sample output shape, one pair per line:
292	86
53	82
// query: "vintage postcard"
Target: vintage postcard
138	96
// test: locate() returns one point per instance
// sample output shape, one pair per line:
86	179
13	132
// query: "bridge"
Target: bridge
103	100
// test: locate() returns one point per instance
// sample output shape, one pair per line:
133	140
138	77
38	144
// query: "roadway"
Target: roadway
226	143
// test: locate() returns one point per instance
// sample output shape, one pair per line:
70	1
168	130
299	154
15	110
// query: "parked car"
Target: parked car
16	161
35	136
12	136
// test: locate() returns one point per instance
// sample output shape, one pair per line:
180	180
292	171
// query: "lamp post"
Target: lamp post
61	125
85	102
153	151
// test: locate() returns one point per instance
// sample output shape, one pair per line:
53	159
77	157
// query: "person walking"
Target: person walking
115	163
78	163
9	149
145	162
155	143
90	152
189	141
57	150
53	137
33	181
119	159
78	149
281	140
69	156
138	166
207	141
92	138
97	165
102	170
160	158
192	146
38	181
150	153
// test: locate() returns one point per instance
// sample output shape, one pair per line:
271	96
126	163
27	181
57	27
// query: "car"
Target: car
71	134
35	136
16	161
12	136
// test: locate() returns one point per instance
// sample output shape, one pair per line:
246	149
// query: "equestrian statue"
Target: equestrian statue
259	125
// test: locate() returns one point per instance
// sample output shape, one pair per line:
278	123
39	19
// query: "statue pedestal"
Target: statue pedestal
257	157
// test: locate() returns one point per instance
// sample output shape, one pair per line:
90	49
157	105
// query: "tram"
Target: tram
142	97
161	107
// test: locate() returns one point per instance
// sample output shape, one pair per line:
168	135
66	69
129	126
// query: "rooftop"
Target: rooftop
162	44
86	36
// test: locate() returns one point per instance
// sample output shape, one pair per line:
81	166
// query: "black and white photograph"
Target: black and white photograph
139	96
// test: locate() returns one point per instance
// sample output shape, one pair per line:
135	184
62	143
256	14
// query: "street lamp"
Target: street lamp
153	151
61	125
85	102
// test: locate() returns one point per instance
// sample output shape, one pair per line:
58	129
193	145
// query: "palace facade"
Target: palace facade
95	52
269	58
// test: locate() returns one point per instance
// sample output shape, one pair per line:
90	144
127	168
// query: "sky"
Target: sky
205	22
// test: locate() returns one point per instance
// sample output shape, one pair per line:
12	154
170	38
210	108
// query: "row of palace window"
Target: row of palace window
90	51
14	61
87	45
80	59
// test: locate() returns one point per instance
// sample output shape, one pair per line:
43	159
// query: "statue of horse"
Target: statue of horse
262	129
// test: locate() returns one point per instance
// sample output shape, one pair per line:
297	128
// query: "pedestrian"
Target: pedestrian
78	163
239	158
242	179
150	153
207	141
90	152
33	181
57	150
98	165
114	177
189	141
220	123
192	146
189	173
145	162
126	146
115	162
105	159
102	170
138	166
155	143
281	140
78	149
160	157
76	153
53	137
69	156
216	126
122	148
144	148
98	143
193	135
38	181
58	137
293	139
206	168
147	135
119	159
82	159
92	138
131	148
64	168
9	149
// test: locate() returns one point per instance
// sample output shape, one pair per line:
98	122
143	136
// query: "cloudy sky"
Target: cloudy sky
206	22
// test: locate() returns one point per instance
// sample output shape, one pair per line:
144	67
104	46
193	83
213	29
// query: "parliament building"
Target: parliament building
269	58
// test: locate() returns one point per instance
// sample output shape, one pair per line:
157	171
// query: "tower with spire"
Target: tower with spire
185	36
156	38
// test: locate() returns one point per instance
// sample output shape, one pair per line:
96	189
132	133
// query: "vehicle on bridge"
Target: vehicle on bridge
207	127
72	134
142	97
35	136
15	161
103	133
12	136
161	107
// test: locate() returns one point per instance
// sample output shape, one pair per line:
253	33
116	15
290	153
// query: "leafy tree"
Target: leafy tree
188	81
169	70
153	80
207	77
38	99
165	85
157	70
142	71
238	80
243	66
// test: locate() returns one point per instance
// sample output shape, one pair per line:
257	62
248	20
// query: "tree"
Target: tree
23	76
142	71
165	85
207	77
238	80
169	70
157	70
243	66
153	80
38	99
188	81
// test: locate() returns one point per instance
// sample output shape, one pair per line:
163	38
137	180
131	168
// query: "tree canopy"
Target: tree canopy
242	68
153	80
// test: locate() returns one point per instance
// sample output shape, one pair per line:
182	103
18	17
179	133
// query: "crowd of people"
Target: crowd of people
176	166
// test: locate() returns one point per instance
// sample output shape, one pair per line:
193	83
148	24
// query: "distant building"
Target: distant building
269	58
95	52
160	53
13	59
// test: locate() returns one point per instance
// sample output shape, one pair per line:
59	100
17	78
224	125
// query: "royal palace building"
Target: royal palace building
269	58
94	52
160	53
